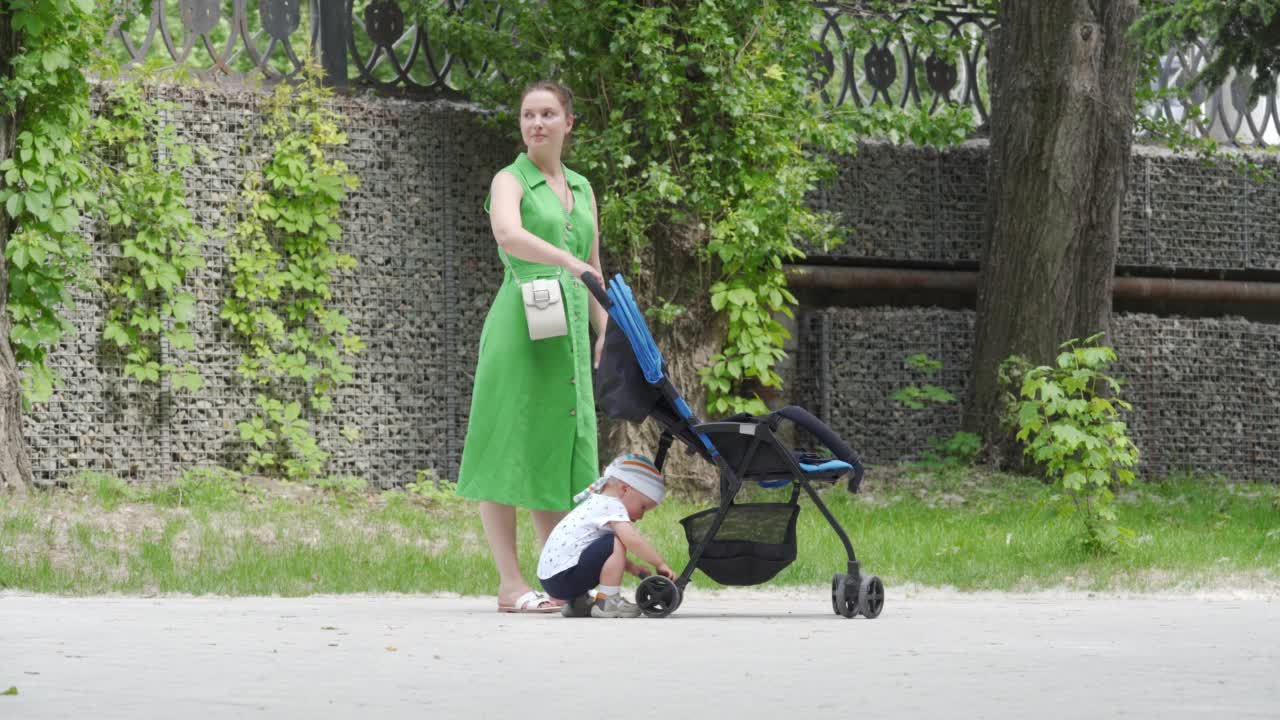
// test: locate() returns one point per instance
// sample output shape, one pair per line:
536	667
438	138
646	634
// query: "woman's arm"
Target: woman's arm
504	218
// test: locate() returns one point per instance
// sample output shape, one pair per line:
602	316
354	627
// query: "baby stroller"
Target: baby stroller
735	543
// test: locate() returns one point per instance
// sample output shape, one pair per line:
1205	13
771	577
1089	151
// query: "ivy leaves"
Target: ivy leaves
46	181
143	202
282	265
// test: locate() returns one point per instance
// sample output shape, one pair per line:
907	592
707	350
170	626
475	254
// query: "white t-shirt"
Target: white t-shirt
587	523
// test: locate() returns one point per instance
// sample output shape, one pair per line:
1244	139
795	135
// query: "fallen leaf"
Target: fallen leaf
11	691
391	648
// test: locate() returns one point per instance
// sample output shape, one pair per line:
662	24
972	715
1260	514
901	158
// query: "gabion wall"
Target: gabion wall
426	273
1204	394
920	204
1205	389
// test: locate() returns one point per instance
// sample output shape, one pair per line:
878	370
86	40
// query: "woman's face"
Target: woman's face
543	122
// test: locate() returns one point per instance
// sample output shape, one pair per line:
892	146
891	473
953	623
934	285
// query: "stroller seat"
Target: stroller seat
822	471
829	470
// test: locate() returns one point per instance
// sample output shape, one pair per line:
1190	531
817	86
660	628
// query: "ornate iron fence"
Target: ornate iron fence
895	70
371	44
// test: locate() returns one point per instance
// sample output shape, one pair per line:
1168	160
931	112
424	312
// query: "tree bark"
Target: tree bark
15	464
1062	103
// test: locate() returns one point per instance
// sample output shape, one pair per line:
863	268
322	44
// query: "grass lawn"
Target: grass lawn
214	533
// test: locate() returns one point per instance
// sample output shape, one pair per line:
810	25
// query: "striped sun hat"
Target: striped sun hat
637	471
640	473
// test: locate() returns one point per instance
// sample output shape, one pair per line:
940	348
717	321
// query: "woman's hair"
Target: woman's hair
562	93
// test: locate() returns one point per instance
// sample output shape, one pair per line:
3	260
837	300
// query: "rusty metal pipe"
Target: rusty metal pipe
827	277
1211	291
1231	292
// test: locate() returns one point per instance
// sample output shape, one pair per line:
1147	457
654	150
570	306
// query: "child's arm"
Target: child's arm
637	544
637	569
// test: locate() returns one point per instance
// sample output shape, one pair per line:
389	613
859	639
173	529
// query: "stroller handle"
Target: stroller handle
596	286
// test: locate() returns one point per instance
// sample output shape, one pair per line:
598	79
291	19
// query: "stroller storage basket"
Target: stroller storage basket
755	542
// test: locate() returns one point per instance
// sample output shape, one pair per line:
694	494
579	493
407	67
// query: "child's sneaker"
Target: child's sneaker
578	607
614	606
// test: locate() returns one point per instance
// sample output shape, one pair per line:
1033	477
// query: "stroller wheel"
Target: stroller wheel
842	600
870	597
657	596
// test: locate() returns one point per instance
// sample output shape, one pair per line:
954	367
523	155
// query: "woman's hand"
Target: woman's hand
599	352
578	267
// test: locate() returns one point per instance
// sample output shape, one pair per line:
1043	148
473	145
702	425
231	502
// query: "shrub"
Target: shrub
1068	415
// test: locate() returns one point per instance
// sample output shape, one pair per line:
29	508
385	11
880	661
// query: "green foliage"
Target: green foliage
431	489
139	162
665	312
46	182
700	130
1241	34
282	264
206	488
959	449
1069	417
107	490
917	397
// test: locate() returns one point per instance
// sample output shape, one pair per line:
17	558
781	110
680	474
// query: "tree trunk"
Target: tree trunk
15	465
1062	104
671	270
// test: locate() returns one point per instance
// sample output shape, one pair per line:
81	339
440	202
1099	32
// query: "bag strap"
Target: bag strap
507	263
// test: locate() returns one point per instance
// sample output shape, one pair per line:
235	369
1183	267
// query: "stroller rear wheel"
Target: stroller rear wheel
870	597
843	600
657	596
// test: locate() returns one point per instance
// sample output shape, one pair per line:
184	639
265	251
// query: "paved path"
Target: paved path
731	654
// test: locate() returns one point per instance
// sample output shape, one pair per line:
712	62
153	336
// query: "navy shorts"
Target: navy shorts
577	580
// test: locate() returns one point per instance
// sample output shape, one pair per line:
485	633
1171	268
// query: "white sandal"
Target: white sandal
531	603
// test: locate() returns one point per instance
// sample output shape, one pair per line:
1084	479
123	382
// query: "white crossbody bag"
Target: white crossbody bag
543	304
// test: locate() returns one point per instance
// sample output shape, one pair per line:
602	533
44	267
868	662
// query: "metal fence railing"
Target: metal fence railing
373	44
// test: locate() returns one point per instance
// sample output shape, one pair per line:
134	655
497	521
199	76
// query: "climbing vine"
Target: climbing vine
47	183
139	161
699	126
282	264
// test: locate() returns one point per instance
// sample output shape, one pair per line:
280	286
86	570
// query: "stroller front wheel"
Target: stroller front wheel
657	596
844	600
870	597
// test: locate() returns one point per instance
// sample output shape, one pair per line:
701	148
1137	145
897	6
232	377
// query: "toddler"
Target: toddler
588	548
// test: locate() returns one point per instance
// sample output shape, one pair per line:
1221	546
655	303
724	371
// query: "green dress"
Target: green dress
531	439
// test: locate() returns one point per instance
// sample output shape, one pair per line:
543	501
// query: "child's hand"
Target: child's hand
637	569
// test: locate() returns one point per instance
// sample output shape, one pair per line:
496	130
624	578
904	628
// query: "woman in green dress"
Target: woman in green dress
531	438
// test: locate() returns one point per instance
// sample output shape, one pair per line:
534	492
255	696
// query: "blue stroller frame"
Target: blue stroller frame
734	543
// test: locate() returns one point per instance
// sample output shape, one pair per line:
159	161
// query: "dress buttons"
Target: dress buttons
573	381
573	412
568	226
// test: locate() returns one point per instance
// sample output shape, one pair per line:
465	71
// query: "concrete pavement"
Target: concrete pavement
735	654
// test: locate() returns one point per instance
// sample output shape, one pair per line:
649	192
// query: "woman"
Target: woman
531	441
